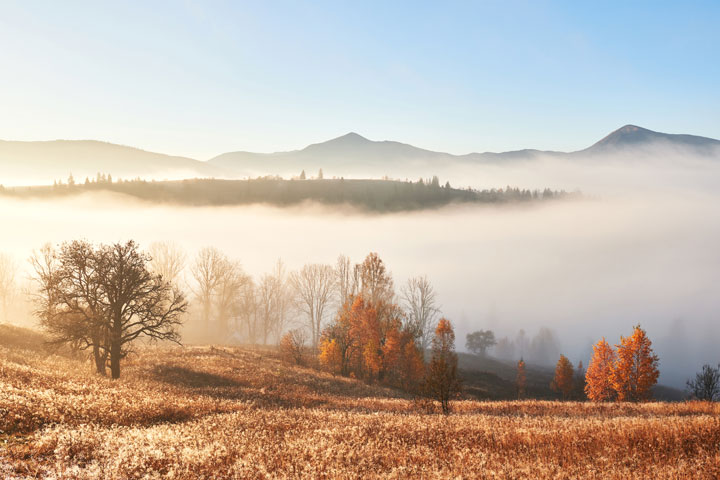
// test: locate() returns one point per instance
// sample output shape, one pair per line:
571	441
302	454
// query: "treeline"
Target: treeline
373	195
104	298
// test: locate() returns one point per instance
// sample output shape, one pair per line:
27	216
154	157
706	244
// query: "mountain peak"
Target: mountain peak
634	136
350	137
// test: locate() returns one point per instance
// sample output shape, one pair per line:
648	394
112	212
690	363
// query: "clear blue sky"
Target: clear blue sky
199	78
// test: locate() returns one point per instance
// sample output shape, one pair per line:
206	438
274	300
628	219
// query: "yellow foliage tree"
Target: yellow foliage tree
598	378
636	367
330	355
564	376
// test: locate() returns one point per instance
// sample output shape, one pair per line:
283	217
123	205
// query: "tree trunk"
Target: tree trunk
100	359
115	358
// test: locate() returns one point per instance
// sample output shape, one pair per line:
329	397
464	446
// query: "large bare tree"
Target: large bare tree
313	286
420	304
69	298
105	298
137	302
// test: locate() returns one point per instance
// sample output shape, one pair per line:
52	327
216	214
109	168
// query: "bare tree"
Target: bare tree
228	295
69	301
8	271
267	305
105	298
283	298
706	384
168	260
207	270
137	302
248	307
346	280
313	286
419	300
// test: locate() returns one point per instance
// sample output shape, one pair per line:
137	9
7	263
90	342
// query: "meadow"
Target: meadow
244	412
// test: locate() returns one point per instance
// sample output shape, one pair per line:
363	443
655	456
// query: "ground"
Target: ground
206	412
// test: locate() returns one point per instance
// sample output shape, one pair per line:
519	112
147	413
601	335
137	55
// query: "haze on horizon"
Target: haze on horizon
642	249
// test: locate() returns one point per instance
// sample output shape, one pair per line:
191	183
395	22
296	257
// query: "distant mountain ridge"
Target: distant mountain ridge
347	155
634	136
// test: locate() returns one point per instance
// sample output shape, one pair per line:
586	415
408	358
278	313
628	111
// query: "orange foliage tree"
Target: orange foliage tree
636	367
365	344
598	378
564	377
442	381
521	379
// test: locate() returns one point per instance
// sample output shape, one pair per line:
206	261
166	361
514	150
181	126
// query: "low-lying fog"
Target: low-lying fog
643	247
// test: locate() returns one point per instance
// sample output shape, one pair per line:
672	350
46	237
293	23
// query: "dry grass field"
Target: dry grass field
203	412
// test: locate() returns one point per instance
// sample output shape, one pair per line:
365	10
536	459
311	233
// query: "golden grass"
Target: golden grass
243	413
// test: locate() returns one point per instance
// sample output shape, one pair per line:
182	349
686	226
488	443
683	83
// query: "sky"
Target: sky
202	78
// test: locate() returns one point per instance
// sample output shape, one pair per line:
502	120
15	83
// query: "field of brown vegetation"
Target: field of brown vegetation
204	412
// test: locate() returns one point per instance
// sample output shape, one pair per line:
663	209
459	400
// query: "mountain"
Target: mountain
632	137
353	154
30	162
350	155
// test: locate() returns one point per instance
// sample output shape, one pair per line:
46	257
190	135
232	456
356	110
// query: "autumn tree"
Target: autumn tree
339	346
563	381
313	287
521	379
442	382
292	345
420	302
478	342
376	283
360	343
636	367
706	384
598	378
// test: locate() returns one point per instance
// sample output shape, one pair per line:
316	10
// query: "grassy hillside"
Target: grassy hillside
377	195
204	412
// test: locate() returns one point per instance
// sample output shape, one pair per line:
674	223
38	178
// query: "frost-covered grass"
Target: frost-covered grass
243	413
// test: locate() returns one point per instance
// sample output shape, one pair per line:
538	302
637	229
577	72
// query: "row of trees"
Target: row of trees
375	195
76	303
231	306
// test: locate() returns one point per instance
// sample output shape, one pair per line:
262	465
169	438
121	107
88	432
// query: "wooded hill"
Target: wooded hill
374	195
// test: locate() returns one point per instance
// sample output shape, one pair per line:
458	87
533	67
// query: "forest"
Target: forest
373	195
